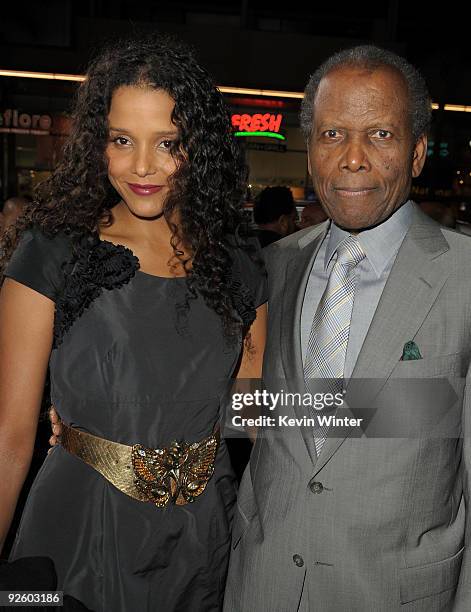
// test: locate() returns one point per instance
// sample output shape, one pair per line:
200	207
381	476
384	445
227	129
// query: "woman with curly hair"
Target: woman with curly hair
128	275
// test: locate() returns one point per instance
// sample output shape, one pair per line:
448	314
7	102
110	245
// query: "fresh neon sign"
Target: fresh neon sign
266	125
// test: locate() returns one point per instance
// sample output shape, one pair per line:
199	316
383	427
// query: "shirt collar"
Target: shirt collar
379	243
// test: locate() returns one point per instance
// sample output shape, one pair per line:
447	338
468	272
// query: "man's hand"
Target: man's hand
56	426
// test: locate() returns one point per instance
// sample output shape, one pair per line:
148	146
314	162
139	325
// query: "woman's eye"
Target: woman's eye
121	140
166	144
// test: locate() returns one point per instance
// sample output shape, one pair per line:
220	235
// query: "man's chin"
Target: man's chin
354	226
357	220
359	224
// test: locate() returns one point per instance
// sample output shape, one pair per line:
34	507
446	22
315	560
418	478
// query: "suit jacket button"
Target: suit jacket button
298	560
316	487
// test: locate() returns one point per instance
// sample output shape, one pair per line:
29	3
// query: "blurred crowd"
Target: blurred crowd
275	214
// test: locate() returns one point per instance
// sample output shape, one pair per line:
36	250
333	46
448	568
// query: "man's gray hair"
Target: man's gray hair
371	58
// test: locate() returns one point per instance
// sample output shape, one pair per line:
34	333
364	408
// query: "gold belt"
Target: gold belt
175	474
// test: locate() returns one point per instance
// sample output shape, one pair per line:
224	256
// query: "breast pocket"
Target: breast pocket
430	367
421	399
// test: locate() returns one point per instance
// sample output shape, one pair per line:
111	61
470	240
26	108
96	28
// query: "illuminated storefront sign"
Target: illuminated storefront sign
266	125
11	121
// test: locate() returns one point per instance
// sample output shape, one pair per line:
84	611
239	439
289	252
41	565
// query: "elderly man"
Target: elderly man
340	520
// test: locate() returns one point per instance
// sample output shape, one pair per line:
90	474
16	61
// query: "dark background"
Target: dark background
254	43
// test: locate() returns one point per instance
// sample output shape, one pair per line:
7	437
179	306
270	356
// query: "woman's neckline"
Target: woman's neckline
139	270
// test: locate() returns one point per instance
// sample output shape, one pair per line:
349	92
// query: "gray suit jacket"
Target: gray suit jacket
374	524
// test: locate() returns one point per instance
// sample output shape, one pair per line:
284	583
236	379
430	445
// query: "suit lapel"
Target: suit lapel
414	283
298	270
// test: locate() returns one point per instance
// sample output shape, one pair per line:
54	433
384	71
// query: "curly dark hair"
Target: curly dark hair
207	188
371	58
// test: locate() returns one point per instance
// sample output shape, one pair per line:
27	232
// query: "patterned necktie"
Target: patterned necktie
327	346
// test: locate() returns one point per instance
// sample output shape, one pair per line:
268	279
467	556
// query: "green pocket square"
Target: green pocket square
410	351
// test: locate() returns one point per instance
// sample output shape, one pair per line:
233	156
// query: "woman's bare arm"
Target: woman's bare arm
26	329
252	362
254	346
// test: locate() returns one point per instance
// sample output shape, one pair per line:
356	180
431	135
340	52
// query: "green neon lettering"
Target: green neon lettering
266	134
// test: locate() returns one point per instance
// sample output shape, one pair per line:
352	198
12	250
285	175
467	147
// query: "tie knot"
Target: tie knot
349	252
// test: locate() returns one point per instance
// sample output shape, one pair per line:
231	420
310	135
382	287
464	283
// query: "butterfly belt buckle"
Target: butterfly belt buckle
175	474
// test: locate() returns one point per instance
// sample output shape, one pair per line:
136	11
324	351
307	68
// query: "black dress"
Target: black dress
133	362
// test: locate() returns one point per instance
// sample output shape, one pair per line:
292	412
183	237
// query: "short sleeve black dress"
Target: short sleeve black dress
134	361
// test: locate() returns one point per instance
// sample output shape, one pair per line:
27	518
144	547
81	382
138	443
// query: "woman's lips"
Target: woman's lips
144	190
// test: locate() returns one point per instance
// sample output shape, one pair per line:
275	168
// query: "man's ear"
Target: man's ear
419	155
309	161
282	223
